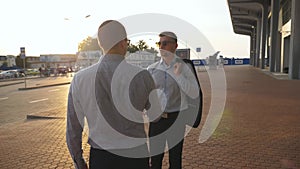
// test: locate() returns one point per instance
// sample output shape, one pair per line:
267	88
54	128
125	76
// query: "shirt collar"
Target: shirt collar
163	63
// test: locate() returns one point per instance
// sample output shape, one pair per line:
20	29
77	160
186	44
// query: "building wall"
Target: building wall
56	60
285	46
9	59
141	58
87	58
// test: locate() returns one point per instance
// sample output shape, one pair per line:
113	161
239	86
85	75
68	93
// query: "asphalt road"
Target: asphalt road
16	104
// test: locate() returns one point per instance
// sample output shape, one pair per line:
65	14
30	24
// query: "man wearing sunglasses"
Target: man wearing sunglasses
174	81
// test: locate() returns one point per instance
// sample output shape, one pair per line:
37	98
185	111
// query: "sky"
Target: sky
57	26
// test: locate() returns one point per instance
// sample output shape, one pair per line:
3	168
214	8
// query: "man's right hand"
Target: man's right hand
177	68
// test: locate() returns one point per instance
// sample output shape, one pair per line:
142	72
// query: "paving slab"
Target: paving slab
259	129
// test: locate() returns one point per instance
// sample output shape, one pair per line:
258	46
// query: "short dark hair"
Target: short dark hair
168	34
110	33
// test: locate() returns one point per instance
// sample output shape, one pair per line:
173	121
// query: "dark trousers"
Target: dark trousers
174	137
102	159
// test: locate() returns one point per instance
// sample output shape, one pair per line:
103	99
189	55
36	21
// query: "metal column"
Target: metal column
275	5
264	33
294	64
258	43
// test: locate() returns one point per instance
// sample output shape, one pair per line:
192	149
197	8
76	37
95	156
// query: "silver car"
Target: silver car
7	74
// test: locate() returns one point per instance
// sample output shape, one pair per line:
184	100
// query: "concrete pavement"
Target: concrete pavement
259	129
35	82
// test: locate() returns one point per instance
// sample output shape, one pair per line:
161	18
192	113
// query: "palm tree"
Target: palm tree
142	45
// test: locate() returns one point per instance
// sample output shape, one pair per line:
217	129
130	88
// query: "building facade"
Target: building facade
274	30
87	58
142	58
56	60
8	60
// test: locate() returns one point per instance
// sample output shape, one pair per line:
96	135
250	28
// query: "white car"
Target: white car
7	74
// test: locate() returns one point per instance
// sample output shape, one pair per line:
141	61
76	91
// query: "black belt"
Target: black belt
167	115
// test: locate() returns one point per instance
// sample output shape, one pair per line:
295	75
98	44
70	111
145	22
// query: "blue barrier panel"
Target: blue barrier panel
199	62
243	61
227	61
246	61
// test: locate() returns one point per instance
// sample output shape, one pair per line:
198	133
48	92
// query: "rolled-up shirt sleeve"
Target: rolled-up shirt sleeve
75	121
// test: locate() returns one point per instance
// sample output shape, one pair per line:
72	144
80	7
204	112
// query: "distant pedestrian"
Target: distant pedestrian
221	62
40	70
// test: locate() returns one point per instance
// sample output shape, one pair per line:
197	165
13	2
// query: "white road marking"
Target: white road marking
3	98
35	101
54	90
62	86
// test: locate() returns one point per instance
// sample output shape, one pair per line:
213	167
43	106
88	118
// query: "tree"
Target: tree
92	44
132	48
152	50
142	45
88	44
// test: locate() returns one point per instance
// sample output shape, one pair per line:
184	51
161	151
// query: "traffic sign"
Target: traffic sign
22	54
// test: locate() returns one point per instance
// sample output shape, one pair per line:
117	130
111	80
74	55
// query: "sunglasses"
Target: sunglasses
164	43
127	40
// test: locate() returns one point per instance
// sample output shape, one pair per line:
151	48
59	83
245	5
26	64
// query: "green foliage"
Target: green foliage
132	48
152	50
142	45
88	44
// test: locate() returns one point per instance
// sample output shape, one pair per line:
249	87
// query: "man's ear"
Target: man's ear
123	44
175	48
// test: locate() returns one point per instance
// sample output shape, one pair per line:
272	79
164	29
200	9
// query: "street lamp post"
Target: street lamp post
23	56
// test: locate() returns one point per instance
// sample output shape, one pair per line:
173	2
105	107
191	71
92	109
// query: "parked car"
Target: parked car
7	74
32	72
62	70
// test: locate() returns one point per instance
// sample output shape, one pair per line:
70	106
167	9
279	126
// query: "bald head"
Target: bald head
110	33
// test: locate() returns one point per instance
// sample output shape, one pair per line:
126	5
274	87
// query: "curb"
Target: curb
9	84
276	75
55	113
35	117
51	85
